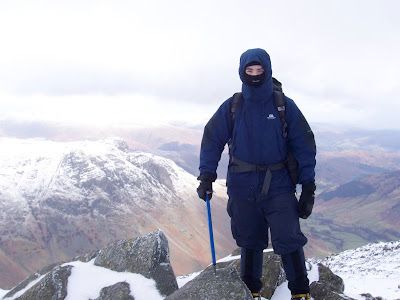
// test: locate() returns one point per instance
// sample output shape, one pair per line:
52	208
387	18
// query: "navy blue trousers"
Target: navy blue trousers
251	219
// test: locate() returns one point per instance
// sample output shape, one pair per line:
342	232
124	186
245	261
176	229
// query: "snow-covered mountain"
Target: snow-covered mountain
59	200
373	269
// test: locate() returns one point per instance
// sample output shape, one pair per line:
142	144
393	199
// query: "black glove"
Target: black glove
205	187
306	201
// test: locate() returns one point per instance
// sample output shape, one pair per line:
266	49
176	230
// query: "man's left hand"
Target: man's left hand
306	201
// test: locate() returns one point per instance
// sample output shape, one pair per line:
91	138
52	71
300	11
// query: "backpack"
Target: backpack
280	104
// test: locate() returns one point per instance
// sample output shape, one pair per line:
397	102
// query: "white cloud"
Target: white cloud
100	109
341	54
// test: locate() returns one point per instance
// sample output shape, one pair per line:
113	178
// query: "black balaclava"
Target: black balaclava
254	80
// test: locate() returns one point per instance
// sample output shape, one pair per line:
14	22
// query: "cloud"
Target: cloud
187	52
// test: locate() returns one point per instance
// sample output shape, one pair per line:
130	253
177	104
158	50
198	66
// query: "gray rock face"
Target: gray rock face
52	287
225	285
273	274
147	255
326	276
368	296
118	291
328	287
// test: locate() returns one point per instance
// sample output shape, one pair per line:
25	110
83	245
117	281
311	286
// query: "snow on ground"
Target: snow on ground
87	280
374	269
2	293
182	280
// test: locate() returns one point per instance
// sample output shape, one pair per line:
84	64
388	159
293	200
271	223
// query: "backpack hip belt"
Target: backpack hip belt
238	166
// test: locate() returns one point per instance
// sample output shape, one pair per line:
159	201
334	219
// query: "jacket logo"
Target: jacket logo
271	117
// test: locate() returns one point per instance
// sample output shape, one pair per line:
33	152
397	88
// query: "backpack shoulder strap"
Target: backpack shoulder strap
236	102
280	103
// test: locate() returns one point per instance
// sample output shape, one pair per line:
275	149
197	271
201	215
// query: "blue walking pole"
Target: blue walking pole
210	231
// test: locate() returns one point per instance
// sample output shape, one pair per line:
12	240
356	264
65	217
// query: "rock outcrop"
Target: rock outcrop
52	286
147	255
146	260
118	291
224	284
328	287
273	273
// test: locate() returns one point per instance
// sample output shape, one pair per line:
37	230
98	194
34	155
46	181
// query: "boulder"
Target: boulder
146	255
118	291
328	287
368	296
273	273
331	280
322	291
52	287
224	285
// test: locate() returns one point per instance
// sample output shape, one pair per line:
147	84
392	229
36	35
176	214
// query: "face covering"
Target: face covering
254	80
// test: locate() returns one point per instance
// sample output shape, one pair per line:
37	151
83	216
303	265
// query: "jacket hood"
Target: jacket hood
265	91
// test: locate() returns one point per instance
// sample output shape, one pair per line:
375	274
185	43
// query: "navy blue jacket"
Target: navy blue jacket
256	136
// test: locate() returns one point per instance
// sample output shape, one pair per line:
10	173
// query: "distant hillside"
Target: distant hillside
355	213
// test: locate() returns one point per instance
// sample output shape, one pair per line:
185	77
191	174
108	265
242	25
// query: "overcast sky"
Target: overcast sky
145	62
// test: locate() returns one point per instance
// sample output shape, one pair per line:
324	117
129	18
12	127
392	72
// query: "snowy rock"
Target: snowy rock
28	280
321	291
118	291
368	296
226	284
52	287
273	273
147	255
333	281
328	287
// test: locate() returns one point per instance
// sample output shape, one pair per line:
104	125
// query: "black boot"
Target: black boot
305	296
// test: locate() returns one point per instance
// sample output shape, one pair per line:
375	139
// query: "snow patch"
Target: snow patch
87	280
2	293
182	280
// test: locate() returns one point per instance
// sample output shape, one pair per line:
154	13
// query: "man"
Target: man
260	187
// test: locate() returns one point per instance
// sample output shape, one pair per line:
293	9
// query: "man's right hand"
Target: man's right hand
205	188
